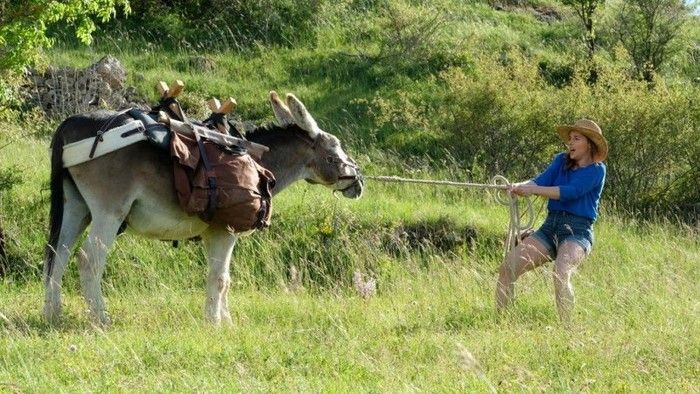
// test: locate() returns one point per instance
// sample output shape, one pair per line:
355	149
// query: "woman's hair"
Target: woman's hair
569	164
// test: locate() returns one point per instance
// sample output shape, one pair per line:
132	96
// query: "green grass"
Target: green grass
632	328
431	326
632	333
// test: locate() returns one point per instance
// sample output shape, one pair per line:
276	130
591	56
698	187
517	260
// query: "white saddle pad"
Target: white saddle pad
112	139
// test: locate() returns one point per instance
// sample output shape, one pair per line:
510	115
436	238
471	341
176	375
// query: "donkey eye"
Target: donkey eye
329	159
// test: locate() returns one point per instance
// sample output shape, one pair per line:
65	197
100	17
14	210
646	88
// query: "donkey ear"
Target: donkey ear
302	117
284	117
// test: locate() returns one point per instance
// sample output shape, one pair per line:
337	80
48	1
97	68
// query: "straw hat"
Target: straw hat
591	130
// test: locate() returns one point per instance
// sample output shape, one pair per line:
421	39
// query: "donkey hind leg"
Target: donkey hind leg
92	260
76	218
218	244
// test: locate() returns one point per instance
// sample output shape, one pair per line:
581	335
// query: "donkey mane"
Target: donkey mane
273	134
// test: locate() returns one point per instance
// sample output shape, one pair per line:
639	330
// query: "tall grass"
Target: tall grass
484	98
431	325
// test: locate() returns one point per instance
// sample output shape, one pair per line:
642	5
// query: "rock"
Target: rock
62	92
111	71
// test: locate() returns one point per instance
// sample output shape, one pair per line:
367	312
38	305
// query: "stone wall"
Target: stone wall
61	92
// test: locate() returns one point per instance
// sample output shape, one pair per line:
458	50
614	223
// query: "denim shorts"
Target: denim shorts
562	226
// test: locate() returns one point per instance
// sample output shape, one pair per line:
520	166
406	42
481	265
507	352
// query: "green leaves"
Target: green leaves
24	27
650	32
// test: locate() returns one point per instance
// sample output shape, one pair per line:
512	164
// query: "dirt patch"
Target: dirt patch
543	13
546	14
442	234
202	63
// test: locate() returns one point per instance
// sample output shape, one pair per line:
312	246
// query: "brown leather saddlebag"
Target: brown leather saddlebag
223	186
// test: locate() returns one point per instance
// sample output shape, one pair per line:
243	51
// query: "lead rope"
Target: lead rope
501	185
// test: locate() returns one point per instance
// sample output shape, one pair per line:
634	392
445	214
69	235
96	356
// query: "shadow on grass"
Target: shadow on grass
36	325
18	267
530	317
470	317
441	236
344	71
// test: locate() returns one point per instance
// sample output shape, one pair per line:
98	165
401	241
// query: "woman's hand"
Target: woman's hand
528	188
523	189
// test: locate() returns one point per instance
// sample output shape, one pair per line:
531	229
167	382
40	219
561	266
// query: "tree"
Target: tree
585	10
24	25
648	30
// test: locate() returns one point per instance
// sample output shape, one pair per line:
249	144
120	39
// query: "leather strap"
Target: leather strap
211	179
103	129
97	140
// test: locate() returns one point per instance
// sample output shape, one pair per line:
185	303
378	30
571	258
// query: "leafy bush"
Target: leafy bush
502	118
652	134
651	32
10	100
24	26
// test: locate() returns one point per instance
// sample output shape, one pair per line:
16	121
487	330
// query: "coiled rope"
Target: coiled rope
502	195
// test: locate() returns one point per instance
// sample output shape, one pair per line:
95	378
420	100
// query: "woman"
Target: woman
573	183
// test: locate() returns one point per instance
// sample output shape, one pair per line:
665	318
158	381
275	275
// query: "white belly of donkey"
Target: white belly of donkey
163	220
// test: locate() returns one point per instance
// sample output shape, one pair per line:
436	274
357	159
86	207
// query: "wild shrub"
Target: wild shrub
10	97
501	117
498	118
556	73
651	32
653	136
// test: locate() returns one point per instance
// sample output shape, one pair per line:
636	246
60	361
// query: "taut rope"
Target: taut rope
498	182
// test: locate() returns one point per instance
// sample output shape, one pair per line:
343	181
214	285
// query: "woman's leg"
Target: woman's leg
529	254
569	256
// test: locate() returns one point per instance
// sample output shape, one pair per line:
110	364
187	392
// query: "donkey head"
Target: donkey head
328	165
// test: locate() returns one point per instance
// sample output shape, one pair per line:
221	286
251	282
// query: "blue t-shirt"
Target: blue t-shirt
579	189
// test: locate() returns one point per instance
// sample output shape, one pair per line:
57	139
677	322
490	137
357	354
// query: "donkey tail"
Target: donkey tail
56	211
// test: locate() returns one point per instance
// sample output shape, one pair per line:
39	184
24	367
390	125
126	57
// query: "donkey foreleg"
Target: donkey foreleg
75	219
92	260
218	244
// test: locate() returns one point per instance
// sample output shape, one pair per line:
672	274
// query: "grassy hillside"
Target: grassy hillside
431	326
478	95
479	84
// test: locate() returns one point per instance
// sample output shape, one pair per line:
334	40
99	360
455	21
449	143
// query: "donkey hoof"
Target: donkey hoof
226	320
100	319
52	312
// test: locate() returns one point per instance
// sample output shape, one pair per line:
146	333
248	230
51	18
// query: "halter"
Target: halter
357	178
342	163
346	163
